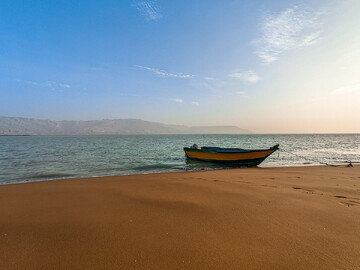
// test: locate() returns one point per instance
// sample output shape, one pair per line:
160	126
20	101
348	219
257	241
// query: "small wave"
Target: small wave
112	169
51	176
178	158
156	166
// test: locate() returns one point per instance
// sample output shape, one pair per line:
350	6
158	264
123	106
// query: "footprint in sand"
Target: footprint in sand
215	180
350	203
269	186
307	190
302	188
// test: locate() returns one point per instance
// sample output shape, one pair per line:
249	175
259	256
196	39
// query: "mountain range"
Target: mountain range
29	126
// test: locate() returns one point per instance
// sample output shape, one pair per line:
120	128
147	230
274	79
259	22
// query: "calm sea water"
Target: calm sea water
36	158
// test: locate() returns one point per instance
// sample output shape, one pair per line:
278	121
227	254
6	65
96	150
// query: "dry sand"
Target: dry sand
257	218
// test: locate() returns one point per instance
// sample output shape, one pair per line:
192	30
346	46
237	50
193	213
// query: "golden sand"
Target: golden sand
257	218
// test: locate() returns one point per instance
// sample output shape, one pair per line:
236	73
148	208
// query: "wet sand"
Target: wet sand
256	218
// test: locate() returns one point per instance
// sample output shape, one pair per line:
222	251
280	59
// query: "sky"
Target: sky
267	66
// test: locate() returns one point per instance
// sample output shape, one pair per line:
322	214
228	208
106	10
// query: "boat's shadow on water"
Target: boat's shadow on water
197	164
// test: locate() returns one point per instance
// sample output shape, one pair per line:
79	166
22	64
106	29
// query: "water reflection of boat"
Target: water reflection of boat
238	156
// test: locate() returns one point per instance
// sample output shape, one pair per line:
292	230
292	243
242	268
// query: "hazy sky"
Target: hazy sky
267	66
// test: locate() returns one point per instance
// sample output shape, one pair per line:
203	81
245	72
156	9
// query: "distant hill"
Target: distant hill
216	130
28	126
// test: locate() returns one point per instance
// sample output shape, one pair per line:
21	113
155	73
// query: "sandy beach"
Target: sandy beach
256	218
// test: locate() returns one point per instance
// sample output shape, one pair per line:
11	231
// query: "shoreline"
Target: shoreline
248	218
166	172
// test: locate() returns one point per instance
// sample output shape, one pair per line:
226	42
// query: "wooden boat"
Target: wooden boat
229	155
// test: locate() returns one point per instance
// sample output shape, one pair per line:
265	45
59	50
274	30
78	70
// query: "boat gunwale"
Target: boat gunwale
214	150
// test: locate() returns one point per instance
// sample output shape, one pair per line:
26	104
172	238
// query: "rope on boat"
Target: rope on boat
348	163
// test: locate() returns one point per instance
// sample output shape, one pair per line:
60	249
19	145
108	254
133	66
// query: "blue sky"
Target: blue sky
268	66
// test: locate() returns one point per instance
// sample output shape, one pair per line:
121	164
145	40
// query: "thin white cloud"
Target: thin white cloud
311	39
49	84
247	76
29	82
195	103
346	89
148	9
209	78
292	28
242	94
166	74
178	100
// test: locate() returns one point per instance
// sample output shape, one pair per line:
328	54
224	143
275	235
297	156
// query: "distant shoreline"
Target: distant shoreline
17	135
176	134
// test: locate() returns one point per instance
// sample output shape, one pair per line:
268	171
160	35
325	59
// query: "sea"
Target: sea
40	158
